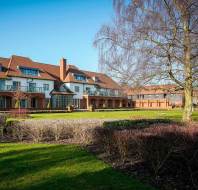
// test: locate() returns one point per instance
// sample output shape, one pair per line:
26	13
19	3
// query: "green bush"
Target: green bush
3	118
134	124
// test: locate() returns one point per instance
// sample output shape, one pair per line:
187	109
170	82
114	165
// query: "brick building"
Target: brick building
56	85
158	96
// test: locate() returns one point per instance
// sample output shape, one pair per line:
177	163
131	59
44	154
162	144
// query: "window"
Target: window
16	85
96	79
76	103
23	103
2	84
87	89
61	101
32	87
29	71
2	102
80	77
76	88
2	69
112	92
45	87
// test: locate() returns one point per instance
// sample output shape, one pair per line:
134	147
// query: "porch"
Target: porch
99	102
9	100
152	104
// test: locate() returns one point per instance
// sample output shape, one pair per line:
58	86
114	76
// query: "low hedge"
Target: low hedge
135	124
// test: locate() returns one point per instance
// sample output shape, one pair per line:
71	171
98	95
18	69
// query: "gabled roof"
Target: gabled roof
103	80
4	63
156	89
153	89
15	62
64	90
52	72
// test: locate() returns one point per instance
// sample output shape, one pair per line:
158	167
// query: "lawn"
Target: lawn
162	114
51	167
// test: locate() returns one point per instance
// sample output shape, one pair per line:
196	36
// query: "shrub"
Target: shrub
134	124
79	131
17	132
3	118
49	105
70	108
163	149
19	113
91	108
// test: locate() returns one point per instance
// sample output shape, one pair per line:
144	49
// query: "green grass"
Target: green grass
153	114
58	167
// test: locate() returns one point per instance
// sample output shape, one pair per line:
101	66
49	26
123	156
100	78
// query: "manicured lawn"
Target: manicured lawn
172	114
58	167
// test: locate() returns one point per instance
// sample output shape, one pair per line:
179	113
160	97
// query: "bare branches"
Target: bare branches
146	40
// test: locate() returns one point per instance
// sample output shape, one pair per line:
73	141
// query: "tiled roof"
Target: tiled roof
4	63
44	69
153	89
103	80
52	72
156	89
62	90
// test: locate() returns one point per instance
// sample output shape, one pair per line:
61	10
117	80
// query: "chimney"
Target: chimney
63	64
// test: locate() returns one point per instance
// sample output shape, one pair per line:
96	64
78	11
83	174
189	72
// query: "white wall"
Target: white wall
39	83
82	88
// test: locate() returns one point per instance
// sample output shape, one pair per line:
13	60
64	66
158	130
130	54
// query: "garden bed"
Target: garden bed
162	154
157	151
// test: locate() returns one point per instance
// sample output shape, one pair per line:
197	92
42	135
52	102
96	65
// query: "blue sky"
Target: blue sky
46	30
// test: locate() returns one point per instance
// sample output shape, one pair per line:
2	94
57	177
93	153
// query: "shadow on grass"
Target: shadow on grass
105	179
58	167
17	163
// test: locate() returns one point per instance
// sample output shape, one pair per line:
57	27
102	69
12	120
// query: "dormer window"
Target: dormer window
96	79
2	68
29	71
80	77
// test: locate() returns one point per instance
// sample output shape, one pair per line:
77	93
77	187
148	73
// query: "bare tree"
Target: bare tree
151	41
19	96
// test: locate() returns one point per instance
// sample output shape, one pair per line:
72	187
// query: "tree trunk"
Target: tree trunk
187	113
188	89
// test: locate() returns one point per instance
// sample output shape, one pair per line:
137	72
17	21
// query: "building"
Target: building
39	86
46	86
158	96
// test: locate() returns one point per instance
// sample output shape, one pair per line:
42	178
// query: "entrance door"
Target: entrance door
34	103
5	102
23	103
2	102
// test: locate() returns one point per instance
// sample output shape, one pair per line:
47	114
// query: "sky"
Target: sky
47	30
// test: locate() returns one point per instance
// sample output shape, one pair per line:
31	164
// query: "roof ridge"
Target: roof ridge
4	58
94	72
9	64
46	64
19	56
